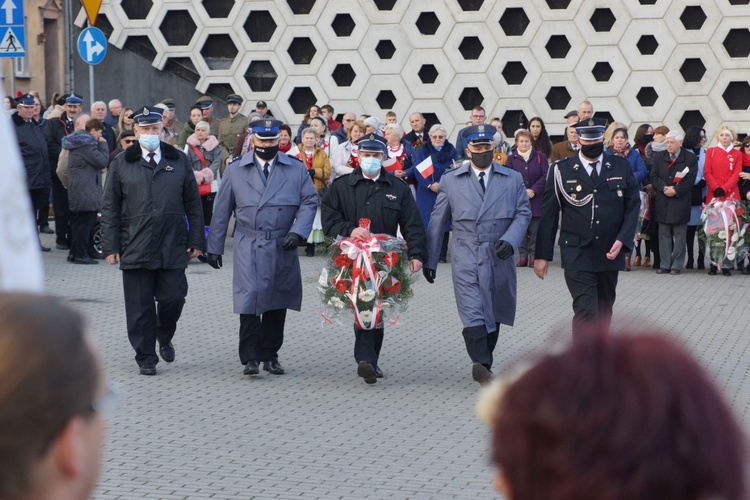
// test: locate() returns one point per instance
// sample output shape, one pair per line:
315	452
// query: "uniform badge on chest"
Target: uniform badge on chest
619	193
391	197
578	187
168	169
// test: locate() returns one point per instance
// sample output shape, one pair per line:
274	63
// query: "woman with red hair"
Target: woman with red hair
615	417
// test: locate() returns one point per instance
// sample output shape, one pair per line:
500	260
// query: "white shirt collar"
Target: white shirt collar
585	162
477	171
157	154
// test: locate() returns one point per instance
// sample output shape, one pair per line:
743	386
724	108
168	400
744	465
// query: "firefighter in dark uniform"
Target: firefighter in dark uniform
152	224
371	192
598	197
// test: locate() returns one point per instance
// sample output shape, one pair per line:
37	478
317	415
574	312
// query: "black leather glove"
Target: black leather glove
429	275
292	241
312	173
214	260
719	193
503	249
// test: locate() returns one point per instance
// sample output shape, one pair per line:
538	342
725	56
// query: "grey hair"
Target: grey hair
203	124
394	127
437	127
676	134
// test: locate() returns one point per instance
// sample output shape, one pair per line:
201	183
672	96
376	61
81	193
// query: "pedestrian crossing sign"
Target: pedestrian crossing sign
13	42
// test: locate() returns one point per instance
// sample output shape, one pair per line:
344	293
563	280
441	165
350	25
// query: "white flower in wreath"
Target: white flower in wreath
336	302
366	316
366	295
722	235
742	233
731	253
735	237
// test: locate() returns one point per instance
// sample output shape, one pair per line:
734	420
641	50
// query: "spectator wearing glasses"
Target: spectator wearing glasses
341	134
52	397
478	116
126	139
125	122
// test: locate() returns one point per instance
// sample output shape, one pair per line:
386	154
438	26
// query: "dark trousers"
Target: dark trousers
527	248
261	335
207	203
690	241
81	224
444	246
593	297
480	345
40	205
62	212
149	321
367	345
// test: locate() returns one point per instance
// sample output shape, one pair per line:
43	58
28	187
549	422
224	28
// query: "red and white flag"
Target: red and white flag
294	151
425	167
680	175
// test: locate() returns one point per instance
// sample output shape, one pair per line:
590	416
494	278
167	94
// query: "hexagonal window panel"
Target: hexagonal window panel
302	98
428	73
692	70
737	42
260	76
602	71
737	95
220	90
514	21
513	119
470	97
385	4
471	47
428	23
430	120
260	26
647	96
558	46
647	45
343	75
343	25
140	45
739	2
301	7
386	99
606	115
218	8
385	49
219	51
602	20
558	4
470	5
182	67
178	27
693	17
136	9
301	50
647	2
558	98
514	73
692	117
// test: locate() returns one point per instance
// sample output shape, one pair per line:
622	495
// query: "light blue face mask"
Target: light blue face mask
370	165
150	142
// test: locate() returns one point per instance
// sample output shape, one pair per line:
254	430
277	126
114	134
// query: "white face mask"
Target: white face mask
150	142
370	165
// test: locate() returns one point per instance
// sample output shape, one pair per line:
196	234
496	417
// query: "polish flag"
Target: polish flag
425	167
389	162
293	152
680	175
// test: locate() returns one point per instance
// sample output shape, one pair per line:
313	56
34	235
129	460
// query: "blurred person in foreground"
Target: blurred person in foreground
52	396
614	417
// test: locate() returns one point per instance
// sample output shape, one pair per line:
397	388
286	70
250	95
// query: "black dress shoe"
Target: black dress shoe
273	367
481	374
726	272
712	271
44	249
46	230
85	260
166	351
148	369
442	260
378	372
62	246
70	258
367	372
689	265
746	270
251	368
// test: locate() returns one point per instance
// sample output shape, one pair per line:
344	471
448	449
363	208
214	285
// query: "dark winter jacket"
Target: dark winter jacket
86	159
56	129
534	173
34	153
151	216
187	130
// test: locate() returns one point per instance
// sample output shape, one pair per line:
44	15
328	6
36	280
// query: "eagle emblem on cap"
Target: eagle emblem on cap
372	137
480	129
145	111
269	123
591	122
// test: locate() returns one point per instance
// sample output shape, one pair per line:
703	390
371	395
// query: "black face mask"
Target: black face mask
648	138
482	160
268	153
593	150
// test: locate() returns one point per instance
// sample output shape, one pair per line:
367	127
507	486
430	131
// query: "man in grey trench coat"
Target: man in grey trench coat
274	202
489	210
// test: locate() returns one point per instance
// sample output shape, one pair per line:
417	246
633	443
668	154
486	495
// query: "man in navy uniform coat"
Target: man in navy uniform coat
489	211
274	202
598	197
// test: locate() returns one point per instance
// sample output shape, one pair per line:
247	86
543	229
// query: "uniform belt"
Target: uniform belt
266	235
479	237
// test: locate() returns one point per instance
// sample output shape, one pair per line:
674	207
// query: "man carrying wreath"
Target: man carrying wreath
369	192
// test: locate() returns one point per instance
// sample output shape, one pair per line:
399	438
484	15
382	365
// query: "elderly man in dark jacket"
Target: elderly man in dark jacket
34	153
88	153
149	194
370	192
672	176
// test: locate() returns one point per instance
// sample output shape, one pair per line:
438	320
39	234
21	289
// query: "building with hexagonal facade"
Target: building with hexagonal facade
655	61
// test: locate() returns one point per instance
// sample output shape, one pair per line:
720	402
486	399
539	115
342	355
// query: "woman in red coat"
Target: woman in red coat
723	166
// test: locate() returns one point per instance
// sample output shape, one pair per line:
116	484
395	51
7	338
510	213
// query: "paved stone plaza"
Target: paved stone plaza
200	429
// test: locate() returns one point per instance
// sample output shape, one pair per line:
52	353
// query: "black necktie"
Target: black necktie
151	160
481	181
265	169
594	175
